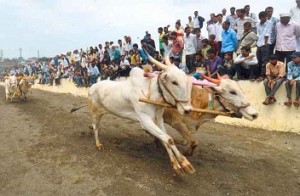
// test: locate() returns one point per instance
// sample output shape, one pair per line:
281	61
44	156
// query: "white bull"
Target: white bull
11	87
121	98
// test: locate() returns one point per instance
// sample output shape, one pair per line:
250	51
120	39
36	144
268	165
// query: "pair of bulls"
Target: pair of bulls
17	87
173	86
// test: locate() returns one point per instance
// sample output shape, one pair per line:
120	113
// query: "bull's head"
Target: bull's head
13	81
233	97
176	87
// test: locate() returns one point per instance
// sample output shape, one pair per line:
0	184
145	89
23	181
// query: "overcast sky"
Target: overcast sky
57	26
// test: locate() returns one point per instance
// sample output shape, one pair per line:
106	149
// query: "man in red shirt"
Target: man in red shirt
177	46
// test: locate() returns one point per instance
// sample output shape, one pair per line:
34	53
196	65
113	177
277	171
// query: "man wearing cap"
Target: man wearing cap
295	16
287	33
293	78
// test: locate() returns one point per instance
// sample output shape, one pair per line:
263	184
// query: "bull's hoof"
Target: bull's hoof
179	170
100	147
187	167
181	142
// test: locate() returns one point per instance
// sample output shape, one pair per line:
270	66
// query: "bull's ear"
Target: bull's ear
164	76
219	89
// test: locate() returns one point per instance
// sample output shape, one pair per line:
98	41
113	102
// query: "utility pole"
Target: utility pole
1	55
20	51
38	54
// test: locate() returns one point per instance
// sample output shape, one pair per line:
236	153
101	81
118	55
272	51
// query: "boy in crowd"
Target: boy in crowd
200	66
227	67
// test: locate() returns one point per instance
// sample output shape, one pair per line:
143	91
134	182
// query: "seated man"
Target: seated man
227	67
212	63
275	72
245	65
200	66
293	78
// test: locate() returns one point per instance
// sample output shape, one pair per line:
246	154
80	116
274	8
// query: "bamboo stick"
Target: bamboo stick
193	109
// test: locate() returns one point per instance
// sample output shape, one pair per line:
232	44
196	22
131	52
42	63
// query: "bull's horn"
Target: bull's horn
219	76
157	63
216	81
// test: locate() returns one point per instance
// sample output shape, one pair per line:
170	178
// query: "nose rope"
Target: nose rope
218	97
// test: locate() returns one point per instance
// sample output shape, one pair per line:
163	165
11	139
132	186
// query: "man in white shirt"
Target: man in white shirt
190	45
124	67
232	17
211	28
273	21
295	16
101	53
263	43
252	16
198	21
121	47
246	65
77	57
238	25
199	39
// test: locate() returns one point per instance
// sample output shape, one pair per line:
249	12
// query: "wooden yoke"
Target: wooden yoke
193	109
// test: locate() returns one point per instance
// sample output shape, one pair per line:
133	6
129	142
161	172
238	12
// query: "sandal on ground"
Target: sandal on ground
296	103
259	79
288	103
272	100
267	101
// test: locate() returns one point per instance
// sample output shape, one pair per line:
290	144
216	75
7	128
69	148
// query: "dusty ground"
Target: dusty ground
46	150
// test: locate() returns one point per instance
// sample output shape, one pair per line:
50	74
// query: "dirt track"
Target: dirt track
46	150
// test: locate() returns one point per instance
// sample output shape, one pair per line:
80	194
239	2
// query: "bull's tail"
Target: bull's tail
77	108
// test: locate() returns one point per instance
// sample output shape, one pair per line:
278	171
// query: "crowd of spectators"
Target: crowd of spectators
243	45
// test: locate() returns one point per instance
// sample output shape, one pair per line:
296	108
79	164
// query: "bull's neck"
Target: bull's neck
216	104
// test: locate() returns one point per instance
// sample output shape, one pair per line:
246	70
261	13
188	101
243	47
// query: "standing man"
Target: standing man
287	33
263	44
273	21
293	79
252	16
229	43
232	17
238	25
161	35
295	13
190	23
198	21
177	45
190	45
199	38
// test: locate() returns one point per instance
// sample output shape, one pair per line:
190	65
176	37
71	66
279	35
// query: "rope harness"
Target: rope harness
160	83
219	97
